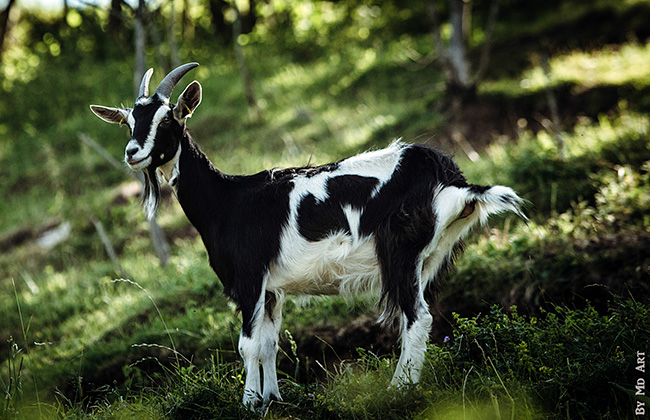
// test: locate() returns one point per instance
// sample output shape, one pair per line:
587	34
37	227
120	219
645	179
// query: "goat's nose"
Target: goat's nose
130	152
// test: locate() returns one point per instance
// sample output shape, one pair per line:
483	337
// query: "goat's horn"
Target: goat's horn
144	85
165	87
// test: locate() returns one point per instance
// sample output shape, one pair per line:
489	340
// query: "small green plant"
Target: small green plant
12	384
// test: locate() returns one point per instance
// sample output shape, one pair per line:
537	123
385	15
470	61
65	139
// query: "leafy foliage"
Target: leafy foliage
577	362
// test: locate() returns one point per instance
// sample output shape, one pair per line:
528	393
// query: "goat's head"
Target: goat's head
156	126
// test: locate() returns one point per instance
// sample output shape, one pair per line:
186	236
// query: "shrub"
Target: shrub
573	362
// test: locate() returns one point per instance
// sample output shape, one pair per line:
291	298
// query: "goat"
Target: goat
386	221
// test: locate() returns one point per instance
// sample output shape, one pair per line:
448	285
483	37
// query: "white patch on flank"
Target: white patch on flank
380	164
353	217
336	265
314	185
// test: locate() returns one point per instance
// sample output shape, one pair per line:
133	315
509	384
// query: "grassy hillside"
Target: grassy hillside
540	320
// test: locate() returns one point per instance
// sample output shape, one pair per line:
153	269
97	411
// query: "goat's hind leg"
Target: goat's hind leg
415	324
415	334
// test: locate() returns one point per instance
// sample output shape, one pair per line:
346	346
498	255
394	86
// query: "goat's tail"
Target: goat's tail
495	200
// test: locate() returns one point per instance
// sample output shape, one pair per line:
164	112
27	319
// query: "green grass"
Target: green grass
613	65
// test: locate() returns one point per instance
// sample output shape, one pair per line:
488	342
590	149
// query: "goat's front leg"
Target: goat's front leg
249	349
269	336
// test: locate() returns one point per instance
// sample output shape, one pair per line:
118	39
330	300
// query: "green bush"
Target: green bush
573	362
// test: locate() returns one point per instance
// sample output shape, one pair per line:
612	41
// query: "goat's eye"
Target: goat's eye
165	121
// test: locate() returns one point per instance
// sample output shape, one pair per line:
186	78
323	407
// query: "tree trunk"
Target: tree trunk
457	49
187	27
221	29
243	68
4	24
157	40
115	20
487	42
250	19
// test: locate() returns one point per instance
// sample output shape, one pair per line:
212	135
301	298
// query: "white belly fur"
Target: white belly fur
338	264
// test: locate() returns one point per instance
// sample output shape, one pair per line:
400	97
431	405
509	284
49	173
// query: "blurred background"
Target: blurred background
539	320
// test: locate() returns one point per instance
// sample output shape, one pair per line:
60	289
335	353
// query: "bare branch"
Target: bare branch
457	58
160	246
108	246
109	158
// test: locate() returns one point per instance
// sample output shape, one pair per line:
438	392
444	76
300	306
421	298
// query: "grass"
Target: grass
502	365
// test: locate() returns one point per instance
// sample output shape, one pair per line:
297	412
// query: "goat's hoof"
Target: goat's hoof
253	401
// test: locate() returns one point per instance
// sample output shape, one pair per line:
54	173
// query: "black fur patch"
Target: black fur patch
479	189
143	116
240	220
317	220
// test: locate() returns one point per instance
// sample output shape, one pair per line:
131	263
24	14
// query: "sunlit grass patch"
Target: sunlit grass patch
612	65
554	179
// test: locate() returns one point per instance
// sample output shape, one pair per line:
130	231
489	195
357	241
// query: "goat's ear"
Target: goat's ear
111	115
188	101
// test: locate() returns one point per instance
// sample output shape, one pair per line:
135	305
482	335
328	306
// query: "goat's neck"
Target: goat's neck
199	186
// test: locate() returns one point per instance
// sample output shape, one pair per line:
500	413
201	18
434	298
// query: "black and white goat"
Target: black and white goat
386	221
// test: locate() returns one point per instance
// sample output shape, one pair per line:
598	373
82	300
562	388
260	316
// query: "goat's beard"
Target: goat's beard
150	192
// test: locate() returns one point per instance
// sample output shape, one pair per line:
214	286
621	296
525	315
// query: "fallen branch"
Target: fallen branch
110	250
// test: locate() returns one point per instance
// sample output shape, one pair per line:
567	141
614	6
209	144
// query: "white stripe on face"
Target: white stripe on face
155	121
130	121
145	150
